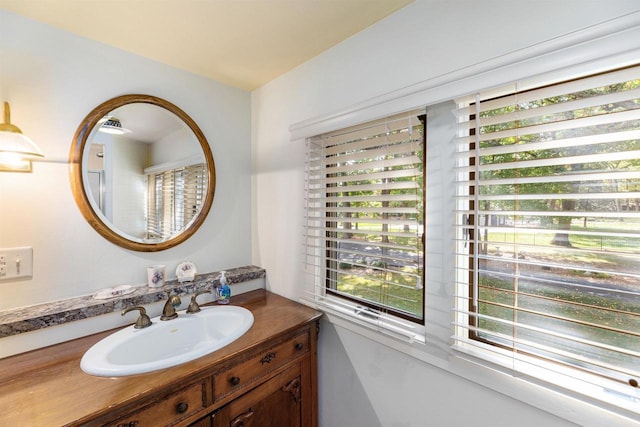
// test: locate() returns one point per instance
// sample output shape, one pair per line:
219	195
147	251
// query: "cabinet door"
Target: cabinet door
276	403
204	422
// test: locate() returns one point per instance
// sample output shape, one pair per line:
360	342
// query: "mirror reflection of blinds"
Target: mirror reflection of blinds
174	198
364	223
548	227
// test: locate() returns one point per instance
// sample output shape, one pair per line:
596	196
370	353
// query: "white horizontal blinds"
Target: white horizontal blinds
189	193
549	224
156	197
364	216
150	210
174	197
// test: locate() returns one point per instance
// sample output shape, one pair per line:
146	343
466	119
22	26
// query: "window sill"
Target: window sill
396	329
582	387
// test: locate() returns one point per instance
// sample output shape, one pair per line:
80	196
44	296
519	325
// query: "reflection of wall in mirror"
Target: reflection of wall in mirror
129	185
95	161
165	149
95	174
96	187
102	143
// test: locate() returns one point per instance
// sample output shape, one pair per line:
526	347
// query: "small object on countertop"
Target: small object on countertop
224	291
186	272
155	276
114	292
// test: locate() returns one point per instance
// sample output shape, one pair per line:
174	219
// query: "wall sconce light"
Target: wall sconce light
16	150
113	126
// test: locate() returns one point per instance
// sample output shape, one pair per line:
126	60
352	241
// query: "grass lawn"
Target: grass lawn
393	290
569	310
603	316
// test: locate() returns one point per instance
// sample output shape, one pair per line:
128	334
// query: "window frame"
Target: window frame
523	363
326	293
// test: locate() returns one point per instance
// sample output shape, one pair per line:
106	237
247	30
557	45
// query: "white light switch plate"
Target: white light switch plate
16	263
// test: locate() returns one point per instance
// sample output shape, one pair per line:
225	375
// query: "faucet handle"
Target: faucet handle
193	305
143	320
169	310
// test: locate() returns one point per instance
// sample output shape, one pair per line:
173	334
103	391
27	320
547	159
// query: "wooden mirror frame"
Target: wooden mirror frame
80	193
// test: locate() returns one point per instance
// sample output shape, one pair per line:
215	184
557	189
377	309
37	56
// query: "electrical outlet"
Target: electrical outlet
16	263
3	265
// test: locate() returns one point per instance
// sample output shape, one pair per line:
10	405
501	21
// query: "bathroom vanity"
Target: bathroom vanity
267	377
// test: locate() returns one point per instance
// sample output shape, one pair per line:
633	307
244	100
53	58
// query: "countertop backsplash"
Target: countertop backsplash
30	320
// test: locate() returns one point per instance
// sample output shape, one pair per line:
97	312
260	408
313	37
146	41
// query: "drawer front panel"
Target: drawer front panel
251	370
168	410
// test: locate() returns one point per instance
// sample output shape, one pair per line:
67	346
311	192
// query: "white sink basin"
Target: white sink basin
167	343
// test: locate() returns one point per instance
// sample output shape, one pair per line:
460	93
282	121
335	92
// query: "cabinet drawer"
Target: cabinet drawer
168	410
242	374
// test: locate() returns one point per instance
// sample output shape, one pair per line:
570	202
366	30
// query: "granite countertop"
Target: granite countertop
25	319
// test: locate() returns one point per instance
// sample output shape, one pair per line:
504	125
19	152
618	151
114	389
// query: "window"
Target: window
174	198
548	220
364	218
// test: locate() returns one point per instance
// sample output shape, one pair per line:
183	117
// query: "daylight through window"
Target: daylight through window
548	218
364	216
173	199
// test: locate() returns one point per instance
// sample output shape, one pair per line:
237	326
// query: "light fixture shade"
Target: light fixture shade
20	144
16	150
113	126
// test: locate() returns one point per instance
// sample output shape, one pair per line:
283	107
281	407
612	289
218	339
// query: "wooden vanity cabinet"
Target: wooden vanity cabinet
266	378
268	387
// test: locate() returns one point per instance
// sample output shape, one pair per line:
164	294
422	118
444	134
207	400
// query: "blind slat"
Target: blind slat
583	122
509	97
381	186
551	109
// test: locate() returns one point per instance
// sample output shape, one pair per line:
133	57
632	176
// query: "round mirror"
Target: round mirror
142	172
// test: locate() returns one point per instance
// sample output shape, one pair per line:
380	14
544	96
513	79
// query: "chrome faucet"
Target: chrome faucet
169	310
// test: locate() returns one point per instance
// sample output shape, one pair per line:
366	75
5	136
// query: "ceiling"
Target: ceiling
243	43
147	122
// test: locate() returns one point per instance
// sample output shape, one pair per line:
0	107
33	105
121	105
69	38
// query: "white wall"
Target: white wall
52	79
163	150
363	383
